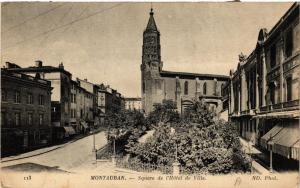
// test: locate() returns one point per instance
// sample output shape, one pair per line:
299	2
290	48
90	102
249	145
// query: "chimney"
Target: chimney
38	63
61	65
10	65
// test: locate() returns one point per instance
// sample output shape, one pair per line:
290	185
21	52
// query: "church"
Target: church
181	87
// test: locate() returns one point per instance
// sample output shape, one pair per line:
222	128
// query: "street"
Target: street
70	157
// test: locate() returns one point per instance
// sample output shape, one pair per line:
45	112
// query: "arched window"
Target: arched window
204	88
186	88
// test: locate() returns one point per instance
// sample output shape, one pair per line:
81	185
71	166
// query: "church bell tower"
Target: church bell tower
151	63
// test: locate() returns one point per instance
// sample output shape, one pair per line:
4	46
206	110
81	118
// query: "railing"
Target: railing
277	106
143	167
289	64
273	73
280	106
244	112
291	104
264	108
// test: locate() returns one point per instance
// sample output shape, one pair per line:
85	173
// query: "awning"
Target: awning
69	130
295	150
264	139
285	139
84	124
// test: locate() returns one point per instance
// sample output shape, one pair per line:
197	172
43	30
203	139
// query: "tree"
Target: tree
124	127
204	144
164	112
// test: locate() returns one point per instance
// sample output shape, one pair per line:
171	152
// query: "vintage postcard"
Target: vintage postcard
140	94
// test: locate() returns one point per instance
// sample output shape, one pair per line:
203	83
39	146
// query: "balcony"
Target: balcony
249	112
277	106
290	63
264	108
273	73
289	105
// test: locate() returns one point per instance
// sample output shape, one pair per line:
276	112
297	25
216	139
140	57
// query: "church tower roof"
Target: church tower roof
151	26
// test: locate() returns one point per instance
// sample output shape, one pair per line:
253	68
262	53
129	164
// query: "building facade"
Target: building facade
180	87
264	90
25	112
109	100
133	103
86	101
61	94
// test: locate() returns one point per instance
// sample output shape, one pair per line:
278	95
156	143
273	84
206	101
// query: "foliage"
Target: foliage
203	144
164	112
124	127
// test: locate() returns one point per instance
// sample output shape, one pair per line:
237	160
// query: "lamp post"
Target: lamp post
250	154
176	164
114	145
94	139
271	143
113	157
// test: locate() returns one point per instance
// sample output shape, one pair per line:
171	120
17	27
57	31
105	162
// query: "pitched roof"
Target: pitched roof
151	26
188	75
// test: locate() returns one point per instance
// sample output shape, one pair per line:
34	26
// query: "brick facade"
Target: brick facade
182	88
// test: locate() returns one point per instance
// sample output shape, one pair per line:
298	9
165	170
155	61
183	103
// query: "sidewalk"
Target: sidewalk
42	150
33	153
250	149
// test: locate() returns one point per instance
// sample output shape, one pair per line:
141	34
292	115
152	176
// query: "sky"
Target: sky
103	41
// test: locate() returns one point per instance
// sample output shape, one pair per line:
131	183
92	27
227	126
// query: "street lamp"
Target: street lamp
94	144
114	145
176	164
114	136
271	144
250	154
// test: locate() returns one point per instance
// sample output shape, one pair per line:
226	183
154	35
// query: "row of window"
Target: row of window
204	89
289	90
288	48
271	92
17	119
17	97
73	98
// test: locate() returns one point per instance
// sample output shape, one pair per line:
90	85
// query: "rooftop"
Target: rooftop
192	75
25	77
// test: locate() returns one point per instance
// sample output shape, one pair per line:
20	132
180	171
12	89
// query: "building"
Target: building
109	100
180	87
25	112
264	90
60	98
133	103
87	101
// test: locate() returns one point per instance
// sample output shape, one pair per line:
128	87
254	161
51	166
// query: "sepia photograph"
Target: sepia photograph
150	94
